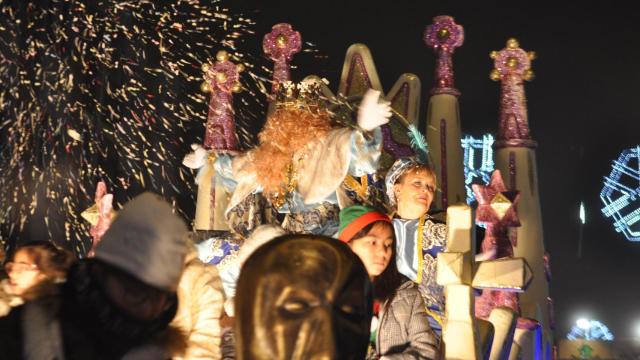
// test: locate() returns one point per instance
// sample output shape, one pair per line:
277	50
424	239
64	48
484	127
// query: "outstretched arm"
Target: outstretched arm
199	159
366	144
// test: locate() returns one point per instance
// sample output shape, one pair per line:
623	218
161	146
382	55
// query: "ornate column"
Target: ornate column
221	79
515	157
443	115
280	45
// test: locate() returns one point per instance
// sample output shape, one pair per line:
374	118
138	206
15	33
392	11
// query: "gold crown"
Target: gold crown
306	95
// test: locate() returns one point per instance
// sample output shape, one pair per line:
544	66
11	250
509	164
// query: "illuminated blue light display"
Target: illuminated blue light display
591	330
621	194
478	162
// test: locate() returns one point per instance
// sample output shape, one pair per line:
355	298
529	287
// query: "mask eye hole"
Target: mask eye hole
295	306
350	312
348	309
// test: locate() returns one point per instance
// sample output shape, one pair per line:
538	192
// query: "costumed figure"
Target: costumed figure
411	185
302	158
198	317
400	327
303	297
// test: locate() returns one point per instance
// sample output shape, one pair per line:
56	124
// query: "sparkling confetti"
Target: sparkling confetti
110	91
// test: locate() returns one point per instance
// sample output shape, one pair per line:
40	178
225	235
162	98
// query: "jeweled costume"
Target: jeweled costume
418	242
309	201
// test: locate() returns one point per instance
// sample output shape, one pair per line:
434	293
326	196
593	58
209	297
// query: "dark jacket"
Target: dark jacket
80	321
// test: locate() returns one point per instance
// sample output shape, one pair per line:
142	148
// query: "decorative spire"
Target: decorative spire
444	36
280	45
512	66
221	79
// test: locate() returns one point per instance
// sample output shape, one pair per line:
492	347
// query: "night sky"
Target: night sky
582	111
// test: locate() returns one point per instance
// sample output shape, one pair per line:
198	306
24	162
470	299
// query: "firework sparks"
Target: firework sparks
109	91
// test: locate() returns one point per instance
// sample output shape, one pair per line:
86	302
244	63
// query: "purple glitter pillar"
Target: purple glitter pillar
221	79
512	66
444	36
280	45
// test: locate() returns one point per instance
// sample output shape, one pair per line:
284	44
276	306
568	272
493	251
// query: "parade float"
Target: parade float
497	306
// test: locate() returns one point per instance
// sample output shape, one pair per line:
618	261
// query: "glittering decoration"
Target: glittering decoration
527	324
477	169
220	131
358	80
107	91
397	150
444	201
497	210
621	194
280	45
444	36
547	265
105	214
512	66
496	205
512	170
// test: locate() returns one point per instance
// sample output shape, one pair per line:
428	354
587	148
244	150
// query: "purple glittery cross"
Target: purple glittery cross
512	66
280	45
220	132
444	36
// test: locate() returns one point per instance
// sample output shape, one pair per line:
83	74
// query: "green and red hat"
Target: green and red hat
355	218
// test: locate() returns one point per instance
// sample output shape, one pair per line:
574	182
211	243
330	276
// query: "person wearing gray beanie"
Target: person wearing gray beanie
147	241
115	305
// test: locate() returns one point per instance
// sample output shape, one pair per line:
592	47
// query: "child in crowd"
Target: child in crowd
400	328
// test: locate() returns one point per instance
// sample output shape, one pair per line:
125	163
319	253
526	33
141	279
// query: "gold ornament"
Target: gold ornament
304	95
222	56
500	204
92	214
240	68
513	43
493	54
359	187
495	75
281	41
212	157
443	33
236	87
528	75
512	62
204	87
206	67
532	55
221	77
